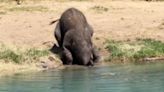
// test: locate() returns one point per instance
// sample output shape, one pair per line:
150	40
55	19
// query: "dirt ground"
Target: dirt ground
118	20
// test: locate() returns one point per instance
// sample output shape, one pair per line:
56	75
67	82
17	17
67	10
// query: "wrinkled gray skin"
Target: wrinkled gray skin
73	35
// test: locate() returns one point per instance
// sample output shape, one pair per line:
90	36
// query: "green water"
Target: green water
116	78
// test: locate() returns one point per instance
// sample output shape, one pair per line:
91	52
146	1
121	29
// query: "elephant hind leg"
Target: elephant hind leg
58	35
67	58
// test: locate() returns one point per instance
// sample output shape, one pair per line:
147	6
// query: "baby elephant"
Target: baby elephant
73	34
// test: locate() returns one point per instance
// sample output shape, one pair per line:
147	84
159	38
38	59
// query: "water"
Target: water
116	78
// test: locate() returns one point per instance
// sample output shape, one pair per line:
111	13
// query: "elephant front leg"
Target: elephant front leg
90	63
67	58
96	55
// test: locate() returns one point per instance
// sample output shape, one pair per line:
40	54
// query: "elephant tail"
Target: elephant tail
52	22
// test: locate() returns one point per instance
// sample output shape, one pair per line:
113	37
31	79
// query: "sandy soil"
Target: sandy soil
123	20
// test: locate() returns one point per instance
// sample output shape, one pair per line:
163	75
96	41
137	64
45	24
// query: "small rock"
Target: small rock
49	62
51	58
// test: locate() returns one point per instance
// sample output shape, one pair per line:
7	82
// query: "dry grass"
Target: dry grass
10	68
28	9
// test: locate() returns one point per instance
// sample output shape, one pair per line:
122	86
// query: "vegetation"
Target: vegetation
135	50
20	56
99	9
29	8
153	0
2	12
72	0
39	0
23	8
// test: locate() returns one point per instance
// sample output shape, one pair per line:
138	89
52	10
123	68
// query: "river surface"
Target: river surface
114	78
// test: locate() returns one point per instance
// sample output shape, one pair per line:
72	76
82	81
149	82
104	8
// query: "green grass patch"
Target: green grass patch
20	56
134	50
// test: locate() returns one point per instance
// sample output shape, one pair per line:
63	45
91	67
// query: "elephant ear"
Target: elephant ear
68	38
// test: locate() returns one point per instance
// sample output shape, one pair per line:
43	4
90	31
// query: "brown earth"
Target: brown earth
118	20
123	20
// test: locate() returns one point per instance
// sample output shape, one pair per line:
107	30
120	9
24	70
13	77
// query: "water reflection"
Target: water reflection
129	78
76	80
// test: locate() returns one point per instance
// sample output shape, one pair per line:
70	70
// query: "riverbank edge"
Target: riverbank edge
115	55
10	68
